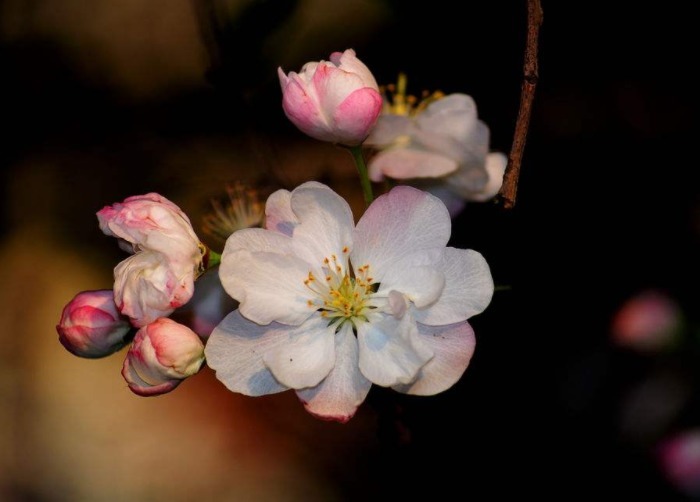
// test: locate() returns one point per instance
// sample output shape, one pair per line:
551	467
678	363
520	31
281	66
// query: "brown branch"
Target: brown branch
527	95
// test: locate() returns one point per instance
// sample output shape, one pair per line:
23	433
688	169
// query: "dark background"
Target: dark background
607	207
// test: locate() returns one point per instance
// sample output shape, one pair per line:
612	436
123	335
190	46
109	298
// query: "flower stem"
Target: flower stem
356	152
212	259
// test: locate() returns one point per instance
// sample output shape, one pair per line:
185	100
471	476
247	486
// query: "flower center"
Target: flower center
397	102
342	294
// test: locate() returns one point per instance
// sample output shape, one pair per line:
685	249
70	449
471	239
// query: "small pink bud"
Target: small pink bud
162	355
336	100
647	322
91	325
679	458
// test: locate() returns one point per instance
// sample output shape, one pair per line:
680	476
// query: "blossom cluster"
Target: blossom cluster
325	307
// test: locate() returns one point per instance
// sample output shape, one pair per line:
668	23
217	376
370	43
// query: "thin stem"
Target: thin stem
357	156
527	95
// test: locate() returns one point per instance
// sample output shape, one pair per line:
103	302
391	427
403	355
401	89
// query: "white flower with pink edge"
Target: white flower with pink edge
328	308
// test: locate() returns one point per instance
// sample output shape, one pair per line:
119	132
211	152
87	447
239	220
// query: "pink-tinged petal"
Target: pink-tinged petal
147	286
468	288
421	285
325	223
333	86
163	354
142	388
279	216
344	389
405	224
269	286
391	351
410	163
91	326
356	115
303	109
152	222
235	351
453	347
349	62
306	356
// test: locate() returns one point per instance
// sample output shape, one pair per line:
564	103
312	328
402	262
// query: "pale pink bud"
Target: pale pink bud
91	325
679	457
336	100
646	322
148	285
152	222
162	355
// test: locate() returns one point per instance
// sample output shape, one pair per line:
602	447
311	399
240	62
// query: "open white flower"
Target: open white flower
327	308
439	144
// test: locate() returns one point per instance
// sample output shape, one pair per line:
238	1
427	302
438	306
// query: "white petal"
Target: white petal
404	224
495	167
306	356
388	128
453	346
259	270
468	288
409	163
391	351
279	216
454	115
325	223
235	351
344	389
421	285
269	286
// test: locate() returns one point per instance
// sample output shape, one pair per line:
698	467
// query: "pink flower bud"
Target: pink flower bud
336	100
679	458
162	355
646	322
160	276
152	222
148	286
91	325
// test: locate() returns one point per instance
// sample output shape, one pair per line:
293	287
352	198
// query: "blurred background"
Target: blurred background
572	390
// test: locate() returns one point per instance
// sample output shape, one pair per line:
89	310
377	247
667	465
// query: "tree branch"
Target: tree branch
527	95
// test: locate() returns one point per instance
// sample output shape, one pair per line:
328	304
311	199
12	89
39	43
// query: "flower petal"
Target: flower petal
349	62
453	346
279	216
421	285
391	352
301	105
355	116
344	389
410	163
404	224
495	167
235	351
454	116
325	223
268	286
389	128
468	288
268	283
306	356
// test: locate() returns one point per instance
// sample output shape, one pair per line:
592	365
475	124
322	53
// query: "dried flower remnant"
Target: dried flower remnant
243	209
